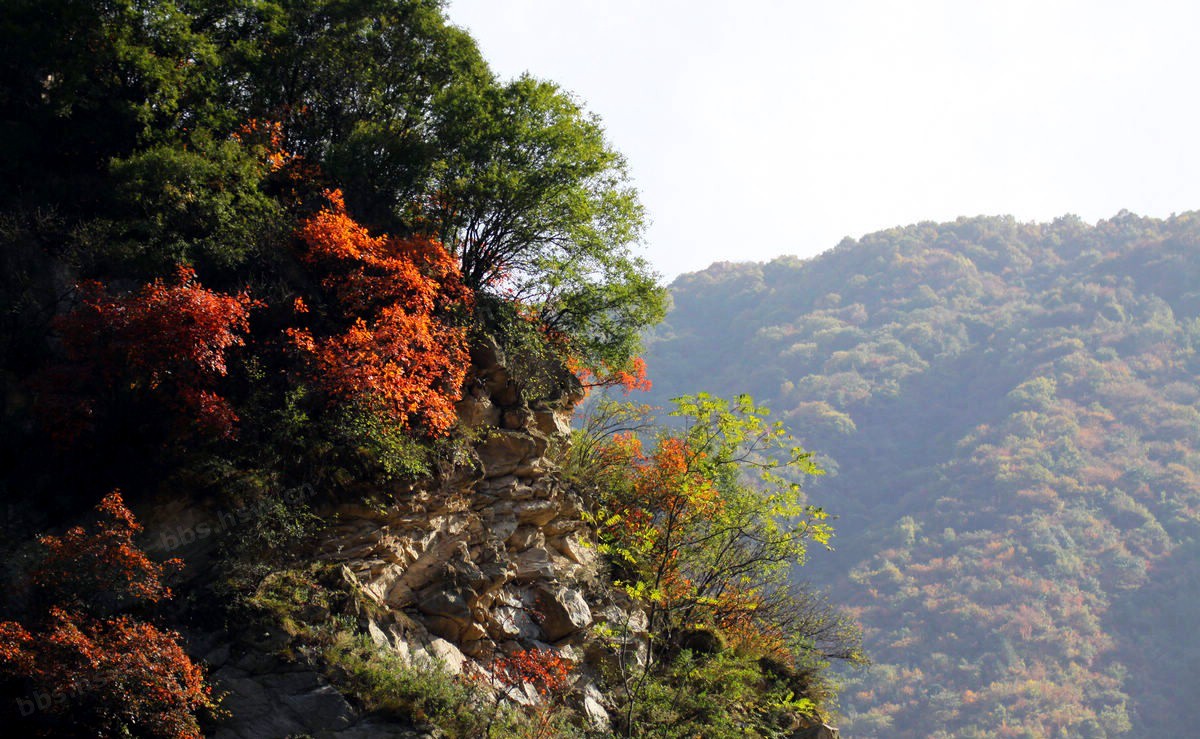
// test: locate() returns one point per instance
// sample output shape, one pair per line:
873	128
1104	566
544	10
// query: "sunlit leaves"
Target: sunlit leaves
705	523
392	348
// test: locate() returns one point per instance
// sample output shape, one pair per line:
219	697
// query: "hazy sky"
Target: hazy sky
759	128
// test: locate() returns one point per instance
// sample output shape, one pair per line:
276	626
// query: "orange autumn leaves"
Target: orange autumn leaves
384	339
168	341
104	670
395	351
666	499
658	522
705	528
630	379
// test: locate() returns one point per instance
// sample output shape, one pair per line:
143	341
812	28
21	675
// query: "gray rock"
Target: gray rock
322	709
292	683
552	423
378	635
454	603
217	657
562	525
593	710
535	564
502	452
508	622
440	653
620	621
536	512
575	549
564	612
525	537
254	710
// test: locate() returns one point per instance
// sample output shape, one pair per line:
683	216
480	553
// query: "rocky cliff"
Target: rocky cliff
490	557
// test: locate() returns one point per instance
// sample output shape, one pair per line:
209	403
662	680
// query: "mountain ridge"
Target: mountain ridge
970	384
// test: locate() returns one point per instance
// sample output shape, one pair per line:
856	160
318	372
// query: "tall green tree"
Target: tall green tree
538	207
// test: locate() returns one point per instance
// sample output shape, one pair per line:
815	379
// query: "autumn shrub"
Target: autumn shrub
687	526
387	339
164	349
109	673
702	524
548	675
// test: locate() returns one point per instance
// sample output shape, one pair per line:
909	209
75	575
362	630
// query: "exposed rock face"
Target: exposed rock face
495	553
491	559
269	697
564	612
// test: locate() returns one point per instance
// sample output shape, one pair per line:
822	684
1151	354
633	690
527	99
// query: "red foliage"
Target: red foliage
168	341
294	176
544	669
80	564
104	673
628	379
267	136
398	356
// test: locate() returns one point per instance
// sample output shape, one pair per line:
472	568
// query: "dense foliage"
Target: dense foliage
703	531
257	220
1010	416
244	248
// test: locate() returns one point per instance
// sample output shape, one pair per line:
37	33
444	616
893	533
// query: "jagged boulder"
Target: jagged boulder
280	704
447	611
564	612
594	711
503	452
552	423
476	410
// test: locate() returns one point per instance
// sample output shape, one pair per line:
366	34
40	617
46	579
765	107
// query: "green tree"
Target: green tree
704	530
539	210
86	81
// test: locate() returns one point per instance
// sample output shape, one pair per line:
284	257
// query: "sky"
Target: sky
759	128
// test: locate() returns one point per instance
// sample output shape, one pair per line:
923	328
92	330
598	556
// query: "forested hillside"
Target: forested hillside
1011	416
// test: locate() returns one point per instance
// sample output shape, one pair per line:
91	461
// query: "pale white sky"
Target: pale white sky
764	127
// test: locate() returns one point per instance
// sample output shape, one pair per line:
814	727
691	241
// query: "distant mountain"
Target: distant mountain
1012	415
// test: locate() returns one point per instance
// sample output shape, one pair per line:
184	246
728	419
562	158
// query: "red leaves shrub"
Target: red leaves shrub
549	674
110	673
79	565
369	272
545	670
168	341
106	674
397	353
629	379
